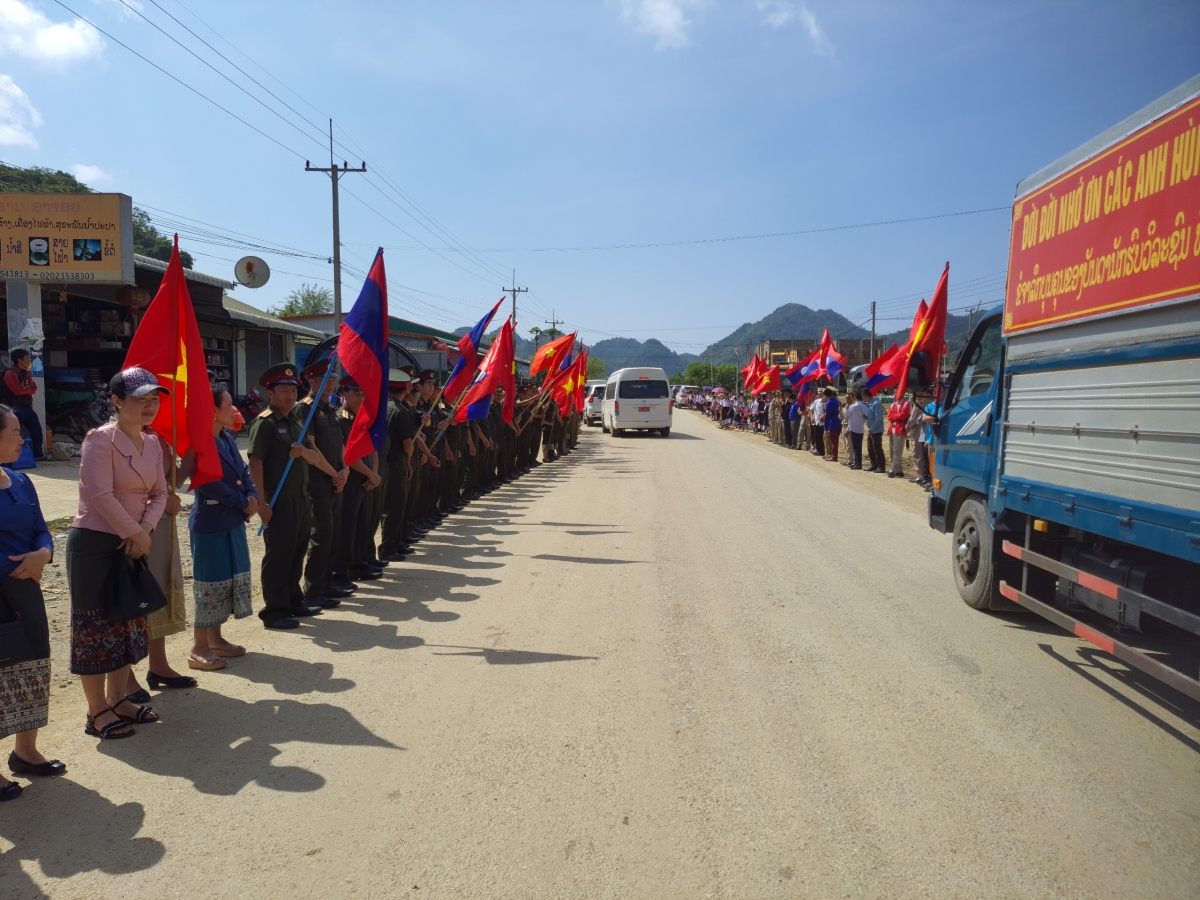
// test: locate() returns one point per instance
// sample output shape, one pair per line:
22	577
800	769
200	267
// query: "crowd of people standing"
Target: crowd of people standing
849	428
327	525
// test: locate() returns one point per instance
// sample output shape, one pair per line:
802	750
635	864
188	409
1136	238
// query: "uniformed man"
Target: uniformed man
402	431
274	439
324	490
361	482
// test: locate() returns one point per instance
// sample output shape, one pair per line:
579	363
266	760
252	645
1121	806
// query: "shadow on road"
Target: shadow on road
68	830
222	744
285	675
1149	689
496	657
589	560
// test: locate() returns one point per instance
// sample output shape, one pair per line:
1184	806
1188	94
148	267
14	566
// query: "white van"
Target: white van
593	398
637	399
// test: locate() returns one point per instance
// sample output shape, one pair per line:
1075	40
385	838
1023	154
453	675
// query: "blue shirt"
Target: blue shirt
875	416
22	527
833	421
219	504
930	410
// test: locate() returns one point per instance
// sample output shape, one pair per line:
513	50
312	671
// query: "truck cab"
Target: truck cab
1066	452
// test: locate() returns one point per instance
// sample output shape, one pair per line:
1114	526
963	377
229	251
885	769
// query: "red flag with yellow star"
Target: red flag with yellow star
167	343
554	352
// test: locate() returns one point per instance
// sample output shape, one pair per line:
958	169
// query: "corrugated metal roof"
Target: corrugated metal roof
262	319
146	262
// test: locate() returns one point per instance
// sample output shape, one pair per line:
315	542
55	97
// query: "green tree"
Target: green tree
306	300
149	241
596	368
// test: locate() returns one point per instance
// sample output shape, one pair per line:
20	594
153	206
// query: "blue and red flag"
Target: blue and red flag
832	362
363	351
496	370
468	346
884	371
806	370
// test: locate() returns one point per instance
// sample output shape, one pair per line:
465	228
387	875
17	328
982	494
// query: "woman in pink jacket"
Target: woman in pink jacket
122	495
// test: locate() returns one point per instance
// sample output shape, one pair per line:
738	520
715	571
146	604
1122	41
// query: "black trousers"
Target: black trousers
343	555
875	451
286	540
30	422
368	520
394	504
856	442
323	537
818	440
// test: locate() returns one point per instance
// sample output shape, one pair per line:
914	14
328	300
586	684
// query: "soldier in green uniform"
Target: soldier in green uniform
324	491
361	483
402	430
274	439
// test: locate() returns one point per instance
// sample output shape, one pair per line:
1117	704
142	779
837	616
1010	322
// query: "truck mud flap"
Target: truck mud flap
1128	655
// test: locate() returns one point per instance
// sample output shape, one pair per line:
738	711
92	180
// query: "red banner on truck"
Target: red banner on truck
1118	231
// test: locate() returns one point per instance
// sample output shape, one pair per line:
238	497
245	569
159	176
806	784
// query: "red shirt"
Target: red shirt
898	416
21	387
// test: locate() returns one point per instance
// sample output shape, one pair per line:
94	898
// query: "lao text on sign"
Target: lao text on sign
1118	231
66	237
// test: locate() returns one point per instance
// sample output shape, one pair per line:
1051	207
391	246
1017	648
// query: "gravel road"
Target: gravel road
684	668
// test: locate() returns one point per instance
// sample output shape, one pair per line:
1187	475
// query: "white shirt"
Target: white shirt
856	417
818	411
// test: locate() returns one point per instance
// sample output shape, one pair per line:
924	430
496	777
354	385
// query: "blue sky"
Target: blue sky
593	123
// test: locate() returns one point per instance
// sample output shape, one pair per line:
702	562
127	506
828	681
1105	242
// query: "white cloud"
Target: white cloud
27	32
17	115
89	174
779	13
662	19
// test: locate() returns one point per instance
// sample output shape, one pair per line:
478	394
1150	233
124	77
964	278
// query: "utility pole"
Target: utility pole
334	175
514	290
872	330
554	322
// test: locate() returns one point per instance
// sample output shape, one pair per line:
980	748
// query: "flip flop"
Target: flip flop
204	665
231	650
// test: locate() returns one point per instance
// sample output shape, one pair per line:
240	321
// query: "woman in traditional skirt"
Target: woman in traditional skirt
220	555
122	495
25	548
165	565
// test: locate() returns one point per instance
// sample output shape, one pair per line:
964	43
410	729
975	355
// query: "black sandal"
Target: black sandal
106	732
144	714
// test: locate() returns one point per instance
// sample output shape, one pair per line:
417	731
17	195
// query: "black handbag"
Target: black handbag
14	646
133	590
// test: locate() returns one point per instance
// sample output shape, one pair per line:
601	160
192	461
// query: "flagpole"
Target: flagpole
303	431
174	551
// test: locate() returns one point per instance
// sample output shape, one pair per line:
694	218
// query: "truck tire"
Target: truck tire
666	432
603	426
972	555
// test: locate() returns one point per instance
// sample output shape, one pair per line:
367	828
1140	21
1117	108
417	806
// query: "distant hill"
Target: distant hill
792	321
621	353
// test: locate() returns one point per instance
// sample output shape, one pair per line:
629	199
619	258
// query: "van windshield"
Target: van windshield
643	390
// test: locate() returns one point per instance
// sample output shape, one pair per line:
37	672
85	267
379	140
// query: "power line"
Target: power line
179	81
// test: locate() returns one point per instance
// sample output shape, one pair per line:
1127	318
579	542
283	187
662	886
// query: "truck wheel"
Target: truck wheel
971	555
603	427
666	432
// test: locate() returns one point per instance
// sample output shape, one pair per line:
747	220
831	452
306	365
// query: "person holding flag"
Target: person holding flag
280	454
168	344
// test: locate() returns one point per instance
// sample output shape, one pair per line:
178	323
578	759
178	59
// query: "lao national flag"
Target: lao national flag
168	344
497	370
832	362
884	371
806	370
468	346
362	350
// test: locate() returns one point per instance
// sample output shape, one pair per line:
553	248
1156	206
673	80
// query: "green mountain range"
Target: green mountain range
792	321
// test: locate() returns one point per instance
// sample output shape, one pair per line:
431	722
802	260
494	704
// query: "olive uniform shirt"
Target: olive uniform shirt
272	435
327	436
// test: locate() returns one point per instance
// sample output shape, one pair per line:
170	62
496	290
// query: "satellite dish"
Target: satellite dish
252	271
